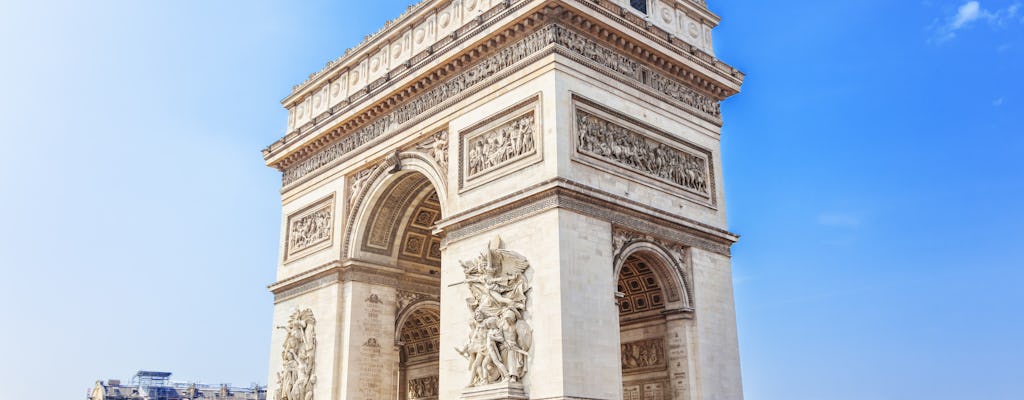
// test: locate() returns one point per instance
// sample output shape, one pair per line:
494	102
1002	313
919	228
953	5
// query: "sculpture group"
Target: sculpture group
296	379
500	337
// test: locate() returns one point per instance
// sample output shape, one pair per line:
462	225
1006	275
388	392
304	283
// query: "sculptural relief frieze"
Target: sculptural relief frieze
501	145
297	378
500	337
643	354
575	43
423	388
310	228
600	138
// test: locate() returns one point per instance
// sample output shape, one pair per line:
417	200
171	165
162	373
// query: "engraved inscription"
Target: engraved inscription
654	391
608	141
631	392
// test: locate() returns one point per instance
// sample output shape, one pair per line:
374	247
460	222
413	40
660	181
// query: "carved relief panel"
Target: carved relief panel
310	230
621	145
423	388
643	355
499	144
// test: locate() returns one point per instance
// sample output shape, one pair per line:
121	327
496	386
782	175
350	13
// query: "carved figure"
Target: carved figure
310	229
356	184
437	148
609	141
505	143
643	354
500	337
422	388
297	377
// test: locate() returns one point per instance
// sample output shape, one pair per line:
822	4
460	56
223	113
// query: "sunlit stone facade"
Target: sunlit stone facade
507	200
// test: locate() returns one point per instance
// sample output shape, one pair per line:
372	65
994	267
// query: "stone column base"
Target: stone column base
497	391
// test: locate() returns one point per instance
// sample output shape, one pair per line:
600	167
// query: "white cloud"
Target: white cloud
969	12
972	11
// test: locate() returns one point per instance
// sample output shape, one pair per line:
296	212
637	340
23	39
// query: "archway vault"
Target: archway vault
653	263
394	207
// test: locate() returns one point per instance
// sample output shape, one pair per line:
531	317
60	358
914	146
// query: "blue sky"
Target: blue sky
873	167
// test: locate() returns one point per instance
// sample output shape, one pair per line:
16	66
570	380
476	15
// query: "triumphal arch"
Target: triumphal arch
509	199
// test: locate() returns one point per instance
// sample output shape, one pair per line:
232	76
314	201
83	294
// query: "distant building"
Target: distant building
151	385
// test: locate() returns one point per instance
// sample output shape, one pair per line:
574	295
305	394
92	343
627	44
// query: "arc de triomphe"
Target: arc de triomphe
509	199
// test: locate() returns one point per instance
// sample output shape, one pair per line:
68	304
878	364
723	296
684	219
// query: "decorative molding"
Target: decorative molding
499	344
387	215
307	287
615	140
408	111
380	122
643	355
625	241
405	299
511	138
310	230
618	211
297	378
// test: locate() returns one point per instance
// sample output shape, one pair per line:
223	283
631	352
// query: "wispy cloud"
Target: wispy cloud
998	102
839	220
972	11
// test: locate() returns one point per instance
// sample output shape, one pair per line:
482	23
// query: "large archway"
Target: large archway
394	229
418	366
648	293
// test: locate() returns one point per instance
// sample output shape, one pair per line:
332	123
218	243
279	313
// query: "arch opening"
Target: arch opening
419	362
643	330
394	228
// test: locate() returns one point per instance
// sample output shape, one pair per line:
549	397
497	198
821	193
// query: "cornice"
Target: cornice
415	14
294	146
587	200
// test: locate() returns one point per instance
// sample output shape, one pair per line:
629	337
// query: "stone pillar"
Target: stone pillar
368	335
400	377
677	342
575	351
717	351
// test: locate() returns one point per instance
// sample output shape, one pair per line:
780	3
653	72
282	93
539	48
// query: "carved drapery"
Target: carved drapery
310	227
297	377
500	339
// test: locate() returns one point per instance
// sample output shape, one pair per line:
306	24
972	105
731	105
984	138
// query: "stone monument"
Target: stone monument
509	199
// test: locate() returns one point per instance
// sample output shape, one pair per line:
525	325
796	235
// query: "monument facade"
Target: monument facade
509	199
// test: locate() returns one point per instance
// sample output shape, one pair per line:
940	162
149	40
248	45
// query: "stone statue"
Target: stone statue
297	377
499	342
